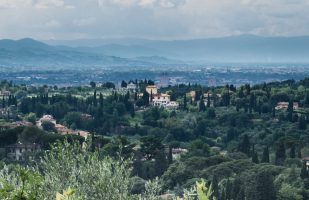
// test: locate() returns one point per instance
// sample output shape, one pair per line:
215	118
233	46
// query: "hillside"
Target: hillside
243	48
29	52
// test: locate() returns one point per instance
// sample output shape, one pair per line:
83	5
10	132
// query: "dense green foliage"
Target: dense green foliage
236	138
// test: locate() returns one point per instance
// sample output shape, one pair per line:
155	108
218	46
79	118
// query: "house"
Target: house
46	118
172	105
5	93
152	89
161	99
20	123
164	100
192	94
212	98
63	130
83	134
285	105
17	151
131	86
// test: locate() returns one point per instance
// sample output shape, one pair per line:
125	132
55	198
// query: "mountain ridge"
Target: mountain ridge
233	49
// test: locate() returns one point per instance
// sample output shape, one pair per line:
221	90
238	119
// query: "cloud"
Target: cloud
142	3
44	4
155	19
52	24
8	4
84	22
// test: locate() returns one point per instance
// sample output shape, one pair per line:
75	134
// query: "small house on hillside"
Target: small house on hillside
17	151
132	87
45	118
285	105
5	93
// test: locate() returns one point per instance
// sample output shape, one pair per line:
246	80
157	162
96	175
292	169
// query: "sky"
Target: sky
151	19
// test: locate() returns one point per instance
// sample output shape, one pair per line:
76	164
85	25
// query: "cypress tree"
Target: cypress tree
273	112
265	186
202	106
245	145
208	100
290	111
145	98
161	163
95	102
101	100
280	154
170	155
215	186
265	157
251	103
304	174
299	152
241	194
123	84
255	157
151	96
292	152
3	102
236	189
302	124
228	190
135	96
185	102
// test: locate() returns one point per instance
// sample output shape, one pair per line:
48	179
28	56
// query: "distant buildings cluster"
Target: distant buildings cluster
61	129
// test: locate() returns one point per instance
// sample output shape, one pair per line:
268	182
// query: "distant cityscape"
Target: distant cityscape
163	76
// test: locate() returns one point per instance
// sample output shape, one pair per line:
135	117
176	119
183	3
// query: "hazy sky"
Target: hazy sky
155	19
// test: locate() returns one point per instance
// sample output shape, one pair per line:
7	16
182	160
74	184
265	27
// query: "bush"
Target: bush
70	166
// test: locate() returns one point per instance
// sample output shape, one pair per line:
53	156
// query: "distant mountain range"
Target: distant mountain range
243	48
29	52
133	52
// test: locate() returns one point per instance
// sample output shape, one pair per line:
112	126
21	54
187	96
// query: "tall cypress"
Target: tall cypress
292	152
265	187
265	157
244	146
302	124
101	100
95	102
255	157
185	102
290	111
215	186
3	102
304	174
202	106
280	154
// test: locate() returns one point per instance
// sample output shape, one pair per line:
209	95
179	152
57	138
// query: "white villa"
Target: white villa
164	100
131	86
285	105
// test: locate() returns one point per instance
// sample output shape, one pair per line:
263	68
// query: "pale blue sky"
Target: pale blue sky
152	19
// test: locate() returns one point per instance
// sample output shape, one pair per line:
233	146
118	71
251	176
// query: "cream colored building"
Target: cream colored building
152	89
